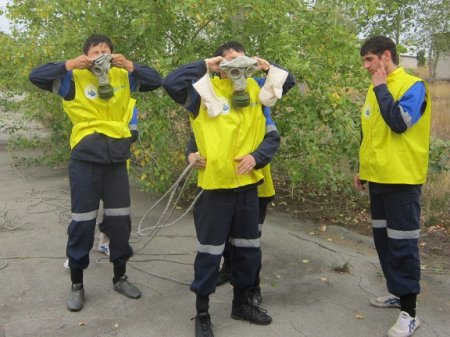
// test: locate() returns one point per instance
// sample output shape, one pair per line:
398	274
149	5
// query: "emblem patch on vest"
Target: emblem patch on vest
90	91
367	111
226	108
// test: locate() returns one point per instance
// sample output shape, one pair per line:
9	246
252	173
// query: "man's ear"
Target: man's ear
387	56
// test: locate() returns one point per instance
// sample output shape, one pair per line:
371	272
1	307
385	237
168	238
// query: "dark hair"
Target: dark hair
222	50
95	40
378	45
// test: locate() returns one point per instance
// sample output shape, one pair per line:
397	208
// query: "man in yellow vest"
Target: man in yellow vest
266	194
229	128
96	90
393	159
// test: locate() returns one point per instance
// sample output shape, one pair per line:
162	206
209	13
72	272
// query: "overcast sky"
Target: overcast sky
4	24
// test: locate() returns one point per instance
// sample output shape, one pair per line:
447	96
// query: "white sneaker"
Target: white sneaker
103	244
405	326
104	248
66	264
389	301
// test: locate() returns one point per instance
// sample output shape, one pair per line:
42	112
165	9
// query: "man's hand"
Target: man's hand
80	62
379	76
196	161
246	164
120	61
358	184
213	63
262	63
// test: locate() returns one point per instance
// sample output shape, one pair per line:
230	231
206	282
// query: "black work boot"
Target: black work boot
250	312
244	309
224	273
75	300
255	296
126	288
203	325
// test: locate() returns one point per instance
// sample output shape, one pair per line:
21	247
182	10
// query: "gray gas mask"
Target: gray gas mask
238	70
100	67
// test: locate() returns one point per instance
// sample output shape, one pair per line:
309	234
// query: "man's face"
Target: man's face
371	62
230	55
100	49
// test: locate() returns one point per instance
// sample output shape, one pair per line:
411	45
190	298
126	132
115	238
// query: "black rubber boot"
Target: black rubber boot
203	325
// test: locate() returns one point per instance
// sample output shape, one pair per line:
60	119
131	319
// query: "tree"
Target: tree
434	30
319	120
421	58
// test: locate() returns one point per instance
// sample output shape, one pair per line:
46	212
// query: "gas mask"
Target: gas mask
100	67
238	70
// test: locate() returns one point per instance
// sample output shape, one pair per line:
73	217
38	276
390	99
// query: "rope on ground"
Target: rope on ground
159	276
4	259
7	221
152	232
186	172
60	208
164	217
5	264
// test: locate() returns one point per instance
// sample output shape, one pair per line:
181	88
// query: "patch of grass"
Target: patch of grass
440	100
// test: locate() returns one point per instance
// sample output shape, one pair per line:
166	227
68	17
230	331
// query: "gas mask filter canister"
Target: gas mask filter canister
100	67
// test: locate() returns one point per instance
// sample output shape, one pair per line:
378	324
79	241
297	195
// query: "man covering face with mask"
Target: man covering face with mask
96	89
230	130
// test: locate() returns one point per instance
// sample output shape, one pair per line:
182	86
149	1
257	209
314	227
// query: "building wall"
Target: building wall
408	61
443	66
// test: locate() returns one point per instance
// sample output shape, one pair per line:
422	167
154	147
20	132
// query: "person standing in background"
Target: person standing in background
393	159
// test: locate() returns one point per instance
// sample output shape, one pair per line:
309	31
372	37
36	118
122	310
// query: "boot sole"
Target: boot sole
239	318
74	309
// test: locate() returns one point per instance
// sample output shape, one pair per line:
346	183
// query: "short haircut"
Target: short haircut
222	50
95	40
378	45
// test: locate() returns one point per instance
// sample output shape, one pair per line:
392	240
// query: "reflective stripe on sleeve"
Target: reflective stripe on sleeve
270	128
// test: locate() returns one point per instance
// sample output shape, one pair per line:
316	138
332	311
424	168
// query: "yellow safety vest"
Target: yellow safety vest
266	189
388	157
90	114
228	136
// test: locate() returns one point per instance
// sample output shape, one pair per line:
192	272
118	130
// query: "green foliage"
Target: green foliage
421	58
439	156
158	155
318	119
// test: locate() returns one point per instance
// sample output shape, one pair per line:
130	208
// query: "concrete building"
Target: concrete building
443	66
408	61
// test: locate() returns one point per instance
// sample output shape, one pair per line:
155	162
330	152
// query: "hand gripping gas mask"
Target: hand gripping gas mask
100	67
238	70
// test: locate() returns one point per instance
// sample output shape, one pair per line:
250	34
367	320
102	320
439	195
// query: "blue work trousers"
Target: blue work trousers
220	215
395	210
89	183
